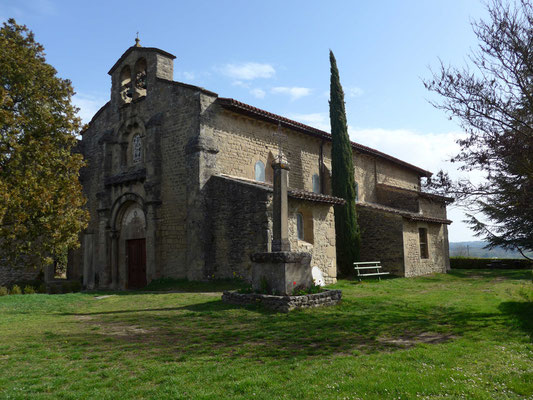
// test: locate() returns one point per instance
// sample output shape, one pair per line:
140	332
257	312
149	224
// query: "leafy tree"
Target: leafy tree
40	196
342	177
493	100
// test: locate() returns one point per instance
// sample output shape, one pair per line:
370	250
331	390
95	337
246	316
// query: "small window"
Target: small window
356	189
259	171
300	226
316	183
423	237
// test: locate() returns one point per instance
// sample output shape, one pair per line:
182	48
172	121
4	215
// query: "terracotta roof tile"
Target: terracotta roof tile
293	193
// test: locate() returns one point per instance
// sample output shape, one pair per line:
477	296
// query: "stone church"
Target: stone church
179	184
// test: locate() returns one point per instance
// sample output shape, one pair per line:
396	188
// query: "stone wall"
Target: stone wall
188	138
389	173
365	176
238	226
433	208
166	119
319	219
438	260
382	239
12	275
243	141
284	303
397	199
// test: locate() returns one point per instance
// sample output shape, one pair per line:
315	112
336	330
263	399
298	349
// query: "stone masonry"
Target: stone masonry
172	189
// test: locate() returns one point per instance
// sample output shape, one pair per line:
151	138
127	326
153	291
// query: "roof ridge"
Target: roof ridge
232	103
140	48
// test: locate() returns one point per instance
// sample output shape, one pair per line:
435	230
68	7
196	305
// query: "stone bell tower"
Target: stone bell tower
134	74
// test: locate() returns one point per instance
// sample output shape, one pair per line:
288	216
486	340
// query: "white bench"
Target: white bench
366	267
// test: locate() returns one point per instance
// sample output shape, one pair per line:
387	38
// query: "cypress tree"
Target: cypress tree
342	177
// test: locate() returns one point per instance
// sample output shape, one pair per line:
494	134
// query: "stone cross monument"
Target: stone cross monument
280	207
281	271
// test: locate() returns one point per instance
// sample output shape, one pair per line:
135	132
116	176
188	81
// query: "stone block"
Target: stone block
281	272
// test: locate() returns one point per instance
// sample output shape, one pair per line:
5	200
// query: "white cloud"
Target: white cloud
428	150
259	93
353	91
294	92
241	84
316	120
88	105
248	71
189	75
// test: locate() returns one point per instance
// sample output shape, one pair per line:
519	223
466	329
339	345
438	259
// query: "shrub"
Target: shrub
29	289
264	287
16	289
41	288
310	290
245	290
3	291
483	263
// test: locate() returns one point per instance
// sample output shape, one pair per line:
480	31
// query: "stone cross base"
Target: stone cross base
281	272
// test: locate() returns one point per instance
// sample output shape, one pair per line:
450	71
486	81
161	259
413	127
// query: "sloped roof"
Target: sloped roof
149	49
258	113
239	107
292	193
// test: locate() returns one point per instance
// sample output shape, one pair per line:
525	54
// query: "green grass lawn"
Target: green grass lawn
464	335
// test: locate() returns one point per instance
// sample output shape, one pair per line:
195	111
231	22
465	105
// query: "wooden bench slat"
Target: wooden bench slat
368	265
367	262
375	273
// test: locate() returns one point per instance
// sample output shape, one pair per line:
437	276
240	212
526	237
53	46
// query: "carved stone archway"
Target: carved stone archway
128	227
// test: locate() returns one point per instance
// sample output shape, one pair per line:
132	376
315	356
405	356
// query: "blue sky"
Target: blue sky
274	55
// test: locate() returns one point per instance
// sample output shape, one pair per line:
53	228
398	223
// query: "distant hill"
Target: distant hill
476	249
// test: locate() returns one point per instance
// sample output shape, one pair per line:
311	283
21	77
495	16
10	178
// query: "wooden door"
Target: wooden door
136	263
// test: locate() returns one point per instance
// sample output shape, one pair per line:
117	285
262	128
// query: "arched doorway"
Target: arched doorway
131	224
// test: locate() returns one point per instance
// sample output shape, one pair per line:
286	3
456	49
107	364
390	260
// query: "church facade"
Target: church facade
179	184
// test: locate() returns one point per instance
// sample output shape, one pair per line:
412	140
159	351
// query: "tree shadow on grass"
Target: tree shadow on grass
522	312
215	329
513	274
168	285
210	306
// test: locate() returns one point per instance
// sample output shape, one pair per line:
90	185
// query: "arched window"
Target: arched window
423	240
137	149
126	92
259	171
316	183
300	226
